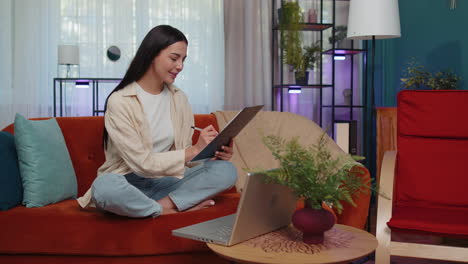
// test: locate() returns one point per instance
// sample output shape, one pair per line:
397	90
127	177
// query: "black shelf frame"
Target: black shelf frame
343	106
311	26
349	52
314	86
316	27
344	52
93	83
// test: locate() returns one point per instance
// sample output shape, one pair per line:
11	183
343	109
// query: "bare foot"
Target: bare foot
204	204
166	211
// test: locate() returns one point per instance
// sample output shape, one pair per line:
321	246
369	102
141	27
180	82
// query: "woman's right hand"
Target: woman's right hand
206	136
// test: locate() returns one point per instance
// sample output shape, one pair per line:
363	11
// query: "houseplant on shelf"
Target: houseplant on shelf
310	56
313	174
298	57
340	37
291	37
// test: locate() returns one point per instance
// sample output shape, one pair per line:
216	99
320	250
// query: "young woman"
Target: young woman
148	139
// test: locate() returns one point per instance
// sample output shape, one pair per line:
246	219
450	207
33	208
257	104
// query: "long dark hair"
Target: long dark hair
159	38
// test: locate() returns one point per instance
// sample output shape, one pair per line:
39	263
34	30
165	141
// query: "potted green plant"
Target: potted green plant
314	175
310	56
340	36
415	76
291	37
298	57
443	80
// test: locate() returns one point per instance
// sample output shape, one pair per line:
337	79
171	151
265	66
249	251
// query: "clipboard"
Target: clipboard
231	130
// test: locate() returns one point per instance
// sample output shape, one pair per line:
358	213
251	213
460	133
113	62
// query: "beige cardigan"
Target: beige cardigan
129	147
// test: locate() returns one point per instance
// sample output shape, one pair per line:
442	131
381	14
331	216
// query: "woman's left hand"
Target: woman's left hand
226	152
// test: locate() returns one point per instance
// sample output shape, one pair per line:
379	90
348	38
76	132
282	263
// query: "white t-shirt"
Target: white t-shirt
158	113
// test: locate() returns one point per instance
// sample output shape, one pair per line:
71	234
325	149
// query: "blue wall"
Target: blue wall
434	35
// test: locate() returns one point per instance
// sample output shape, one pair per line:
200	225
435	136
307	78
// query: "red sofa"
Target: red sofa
63	232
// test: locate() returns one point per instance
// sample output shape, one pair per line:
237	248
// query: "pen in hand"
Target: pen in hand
196	128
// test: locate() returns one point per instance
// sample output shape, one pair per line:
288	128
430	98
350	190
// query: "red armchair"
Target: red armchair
426	177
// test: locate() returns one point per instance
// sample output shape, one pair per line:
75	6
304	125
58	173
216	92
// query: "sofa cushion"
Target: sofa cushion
202	257
11	188
66	229
83	136
44	162
202	121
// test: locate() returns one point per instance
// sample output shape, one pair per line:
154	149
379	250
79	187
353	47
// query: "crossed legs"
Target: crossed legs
134	196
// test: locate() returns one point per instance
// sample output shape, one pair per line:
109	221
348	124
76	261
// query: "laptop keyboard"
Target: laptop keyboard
223	231
219	229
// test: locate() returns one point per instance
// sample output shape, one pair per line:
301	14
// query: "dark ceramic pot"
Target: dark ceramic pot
313	223
304	80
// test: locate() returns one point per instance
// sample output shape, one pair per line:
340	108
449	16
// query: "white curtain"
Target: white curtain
29	46
33	29
5	63
248	53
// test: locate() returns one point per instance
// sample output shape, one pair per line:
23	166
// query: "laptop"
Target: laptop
262	208
230	130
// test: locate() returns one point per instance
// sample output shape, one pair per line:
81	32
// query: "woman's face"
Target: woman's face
169	62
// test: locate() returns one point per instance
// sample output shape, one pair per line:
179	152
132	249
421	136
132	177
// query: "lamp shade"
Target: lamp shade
68	54
378	18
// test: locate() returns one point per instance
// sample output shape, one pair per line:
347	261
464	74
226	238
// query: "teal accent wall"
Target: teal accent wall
431	33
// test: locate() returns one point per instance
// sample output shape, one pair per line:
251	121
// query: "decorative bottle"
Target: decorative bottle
312	15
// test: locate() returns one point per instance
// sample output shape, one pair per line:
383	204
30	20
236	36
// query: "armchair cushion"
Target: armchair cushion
433	114
445	220
432	171
432	161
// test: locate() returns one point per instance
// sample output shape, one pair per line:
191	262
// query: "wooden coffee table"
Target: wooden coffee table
342	244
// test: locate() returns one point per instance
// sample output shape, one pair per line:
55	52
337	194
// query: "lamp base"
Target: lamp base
68	71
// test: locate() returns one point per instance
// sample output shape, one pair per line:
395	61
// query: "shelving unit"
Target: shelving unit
322	99
312	27
93	83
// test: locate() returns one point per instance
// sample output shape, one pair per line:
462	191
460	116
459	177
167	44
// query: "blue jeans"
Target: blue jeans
134	196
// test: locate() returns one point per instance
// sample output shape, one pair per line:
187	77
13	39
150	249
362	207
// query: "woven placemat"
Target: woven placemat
289	240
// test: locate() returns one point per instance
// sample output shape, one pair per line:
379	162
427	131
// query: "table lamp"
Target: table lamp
373	19
68	55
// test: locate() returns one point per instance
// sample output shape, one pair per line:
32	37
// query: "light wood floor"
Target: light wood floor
411	238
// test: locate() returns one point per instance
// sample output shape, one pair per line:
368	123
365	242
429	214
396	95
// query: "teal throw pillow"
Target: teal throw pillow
11	188
46	169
